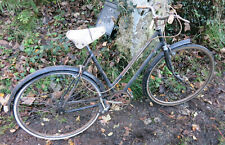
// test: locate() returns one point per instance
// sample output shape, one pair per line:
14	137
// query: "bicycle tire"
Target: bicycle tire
35	104
188	63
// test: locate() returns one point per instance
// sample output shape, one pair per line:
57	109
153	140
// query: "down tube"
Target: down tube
143	66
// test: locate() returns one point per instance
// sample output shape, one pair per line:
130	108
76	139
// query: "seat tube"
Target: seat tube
99	67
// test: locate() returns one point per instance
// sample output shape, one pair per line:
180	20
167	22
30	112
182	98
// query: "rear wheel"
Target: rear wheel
37	107
193	63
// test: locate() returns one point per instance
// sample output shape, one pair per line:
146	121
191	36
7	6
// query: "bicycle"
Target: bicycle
60	102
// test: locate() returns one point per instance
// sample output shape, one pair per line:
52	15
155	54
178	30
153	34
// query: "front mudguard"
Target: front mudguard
180	43
47	70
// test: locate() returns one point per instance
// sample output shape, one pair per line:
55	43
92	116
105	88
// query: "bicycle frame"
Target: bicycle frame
162	43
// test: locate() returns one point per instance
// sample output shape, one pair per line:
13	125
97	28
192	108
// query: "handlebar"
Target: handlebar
160	18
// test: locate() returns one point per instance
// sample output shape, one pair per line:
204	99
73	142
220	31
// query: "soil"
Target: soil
199	121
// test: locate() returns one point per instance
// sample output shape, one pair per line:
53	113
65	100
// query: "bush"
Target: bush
206	20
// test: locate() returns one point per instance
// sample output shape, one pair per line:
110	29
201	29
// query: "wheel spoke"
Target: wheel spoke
37	107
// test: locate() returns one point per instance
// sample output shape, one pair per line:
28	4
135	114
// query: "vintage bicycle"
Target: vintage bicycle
60	102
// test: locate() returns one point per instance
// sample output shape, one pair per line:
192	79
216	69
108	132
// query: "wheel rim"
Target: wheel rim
161	82
43	120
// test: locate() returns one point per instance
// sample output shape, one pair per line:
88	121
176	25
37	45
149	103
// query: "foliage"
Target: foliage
206	19
214	34
24	15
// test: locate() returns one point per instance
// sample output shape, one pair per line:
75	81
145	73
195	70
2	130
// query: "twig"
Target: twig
165	113
219	131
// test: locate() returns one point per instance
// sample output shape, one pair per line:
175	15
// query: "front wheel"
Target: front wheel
194	64
43	108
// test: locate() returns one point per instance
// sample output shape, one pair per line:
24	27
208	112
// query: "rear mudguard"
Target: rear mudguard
47	70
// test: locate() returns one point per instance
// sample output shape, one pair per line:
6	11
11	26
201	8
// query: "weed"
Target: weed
8	123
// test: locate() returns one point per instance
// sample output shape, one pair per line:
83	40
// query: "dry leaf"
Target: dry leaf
151	104
4	100
194	138
104	44
2	95
28	100
208	101
48	142
102	130
116	126
187	27
46	119
195	114
195	127
12	130
127	132
152	77
44	96
178	6
110	134
78	118
70	142
105	119
222	50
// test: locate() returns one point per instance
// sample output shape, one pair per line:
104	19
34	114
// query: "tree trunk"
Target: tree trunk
134	30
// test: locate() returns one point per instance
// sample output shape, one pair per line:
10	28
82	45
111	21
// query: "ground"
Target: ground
199	121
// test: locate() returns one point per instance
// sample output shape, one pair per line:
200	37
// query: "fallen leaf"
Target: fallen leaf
194	138
151	104
152	77
28	100
102	130
70	142
178	6
104	44
12	130
208	101
127	131
105	119
46	119
116	126
222	50
195	127
44	96
48	142
4	100
195	114
147	121
78	118
2	95
110	134
187	27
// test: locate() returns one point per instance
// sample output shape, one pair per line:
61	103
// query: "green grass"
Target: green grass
7	123
215	32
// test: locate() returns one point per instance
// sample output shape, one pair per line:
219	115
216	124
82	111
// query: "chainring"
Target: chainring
119	100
